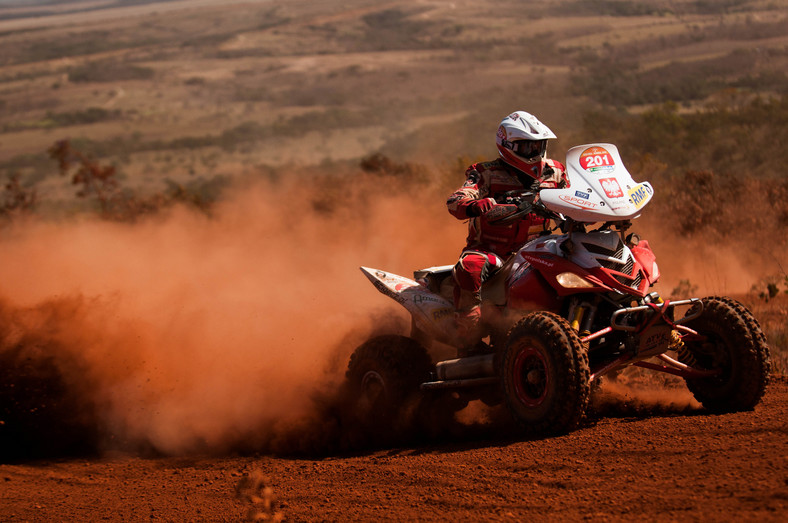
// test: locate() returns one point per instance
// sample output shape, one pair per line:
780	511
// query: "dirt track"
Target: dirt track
634	461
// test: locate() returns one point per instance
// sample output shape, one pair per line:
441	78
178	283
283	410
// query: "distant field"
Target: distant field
183	88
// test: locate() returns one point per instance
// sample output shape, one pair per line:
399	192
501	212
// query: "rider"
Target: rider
523	165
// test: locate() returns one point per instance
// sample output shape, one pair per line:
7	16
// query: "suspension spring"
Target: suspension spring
685	355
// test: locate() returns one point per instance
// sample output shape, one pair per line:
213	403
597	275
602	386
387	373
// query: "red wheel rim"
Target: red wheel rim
532	380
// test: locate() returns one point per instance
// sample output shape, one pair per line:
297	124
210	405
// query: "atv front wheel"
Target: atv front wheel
381	385
732	343
545	374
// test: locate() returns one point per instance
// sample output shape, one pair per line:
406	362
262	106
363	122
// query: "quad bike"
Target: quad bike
563	311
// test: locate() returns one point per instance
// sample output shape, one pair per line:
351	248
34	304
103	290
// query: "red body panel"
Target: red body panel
530	291
645	257
604	280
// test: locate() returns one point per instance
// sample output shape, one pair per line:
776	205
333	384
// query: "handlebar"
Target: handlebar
514	205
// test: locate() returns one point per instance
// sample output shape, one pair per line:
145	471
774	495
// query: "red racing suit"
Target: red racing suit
489	245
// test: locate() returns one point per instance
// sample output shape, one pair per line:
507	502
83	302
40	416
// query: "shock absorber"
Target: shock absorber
676	343
685	355
577	318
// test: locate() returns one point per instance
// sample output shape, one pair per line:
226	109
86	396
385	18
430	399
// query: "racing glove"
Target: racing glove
480	207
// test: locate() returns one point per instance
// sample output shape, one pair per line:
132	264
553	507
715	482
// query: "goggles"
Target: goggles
528	149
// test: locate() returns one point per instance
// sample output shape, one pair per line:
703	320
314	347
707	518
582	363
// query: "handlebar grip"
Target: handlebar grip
500	212
541	209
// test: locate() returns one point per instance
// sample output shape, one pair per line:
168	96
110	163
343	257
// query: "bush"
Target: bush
728	136
88	116
108	71
611	8
17	199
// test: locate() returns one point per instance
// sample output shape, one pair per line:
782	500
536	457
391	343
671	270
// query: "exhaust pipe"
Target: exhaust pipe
465	368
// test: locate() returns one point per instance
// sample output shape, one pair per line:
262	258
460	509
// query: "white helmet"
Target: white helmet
522	142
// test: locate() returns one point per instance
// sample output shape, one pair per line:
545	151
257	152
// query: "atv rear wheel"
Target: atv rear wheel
545	374
382	387
734	345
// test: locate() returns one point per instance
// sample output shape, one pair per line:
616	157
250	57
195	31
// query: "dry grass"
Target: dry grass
185	95
179	70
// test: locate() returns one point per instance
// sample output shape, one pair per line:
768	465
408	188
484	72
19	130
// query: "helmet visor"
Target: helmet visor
530	149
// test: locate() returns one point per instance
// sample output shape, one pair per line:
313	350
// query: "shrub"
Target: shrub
17	198
611	8
684	290
108	71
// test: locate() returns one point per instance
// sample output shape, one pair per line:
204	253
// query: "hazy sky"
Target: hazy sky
32	2
45	2
35	2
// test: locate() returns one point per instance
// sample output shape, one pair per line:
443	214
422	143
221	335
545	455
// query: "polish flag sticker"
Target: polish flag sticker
597	160
611	187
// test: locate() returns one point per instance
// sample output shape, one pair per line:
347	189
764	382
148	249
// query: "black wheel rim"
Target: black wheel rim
373	387
714	354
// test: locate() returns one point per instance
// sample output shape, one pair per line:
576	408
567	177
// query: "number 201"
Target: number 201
597	160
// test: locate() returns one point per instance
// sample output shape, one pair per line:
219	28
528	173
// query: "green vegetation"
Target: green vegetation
684	290
736	137
622	8
696	94
693	92
228	140
16	199
99	185
108	71
612	8
618	80
393	29
771	287
53	120
77	44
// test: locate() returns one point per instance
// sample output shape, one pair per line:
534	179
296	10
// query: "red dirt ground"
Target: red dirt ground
631	462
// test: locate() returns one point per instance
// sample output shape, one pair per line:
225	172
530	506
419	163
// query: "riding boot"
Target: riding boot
469	331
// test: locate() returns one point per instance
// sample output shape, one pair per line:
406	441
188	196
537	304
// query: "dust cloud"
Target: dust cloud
633	392
711	267
191	333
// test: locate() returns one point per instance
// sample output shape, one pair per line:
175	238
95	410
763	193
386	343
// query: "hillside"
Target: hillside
183	99
190	187
186	89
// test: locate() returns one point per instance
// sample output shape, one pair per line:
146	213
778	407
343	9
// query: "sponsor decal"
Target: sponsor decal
597	160
583	195
502	132
657	337
388	292
577	202
538	260
439	314
611	187
421	298
639	194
